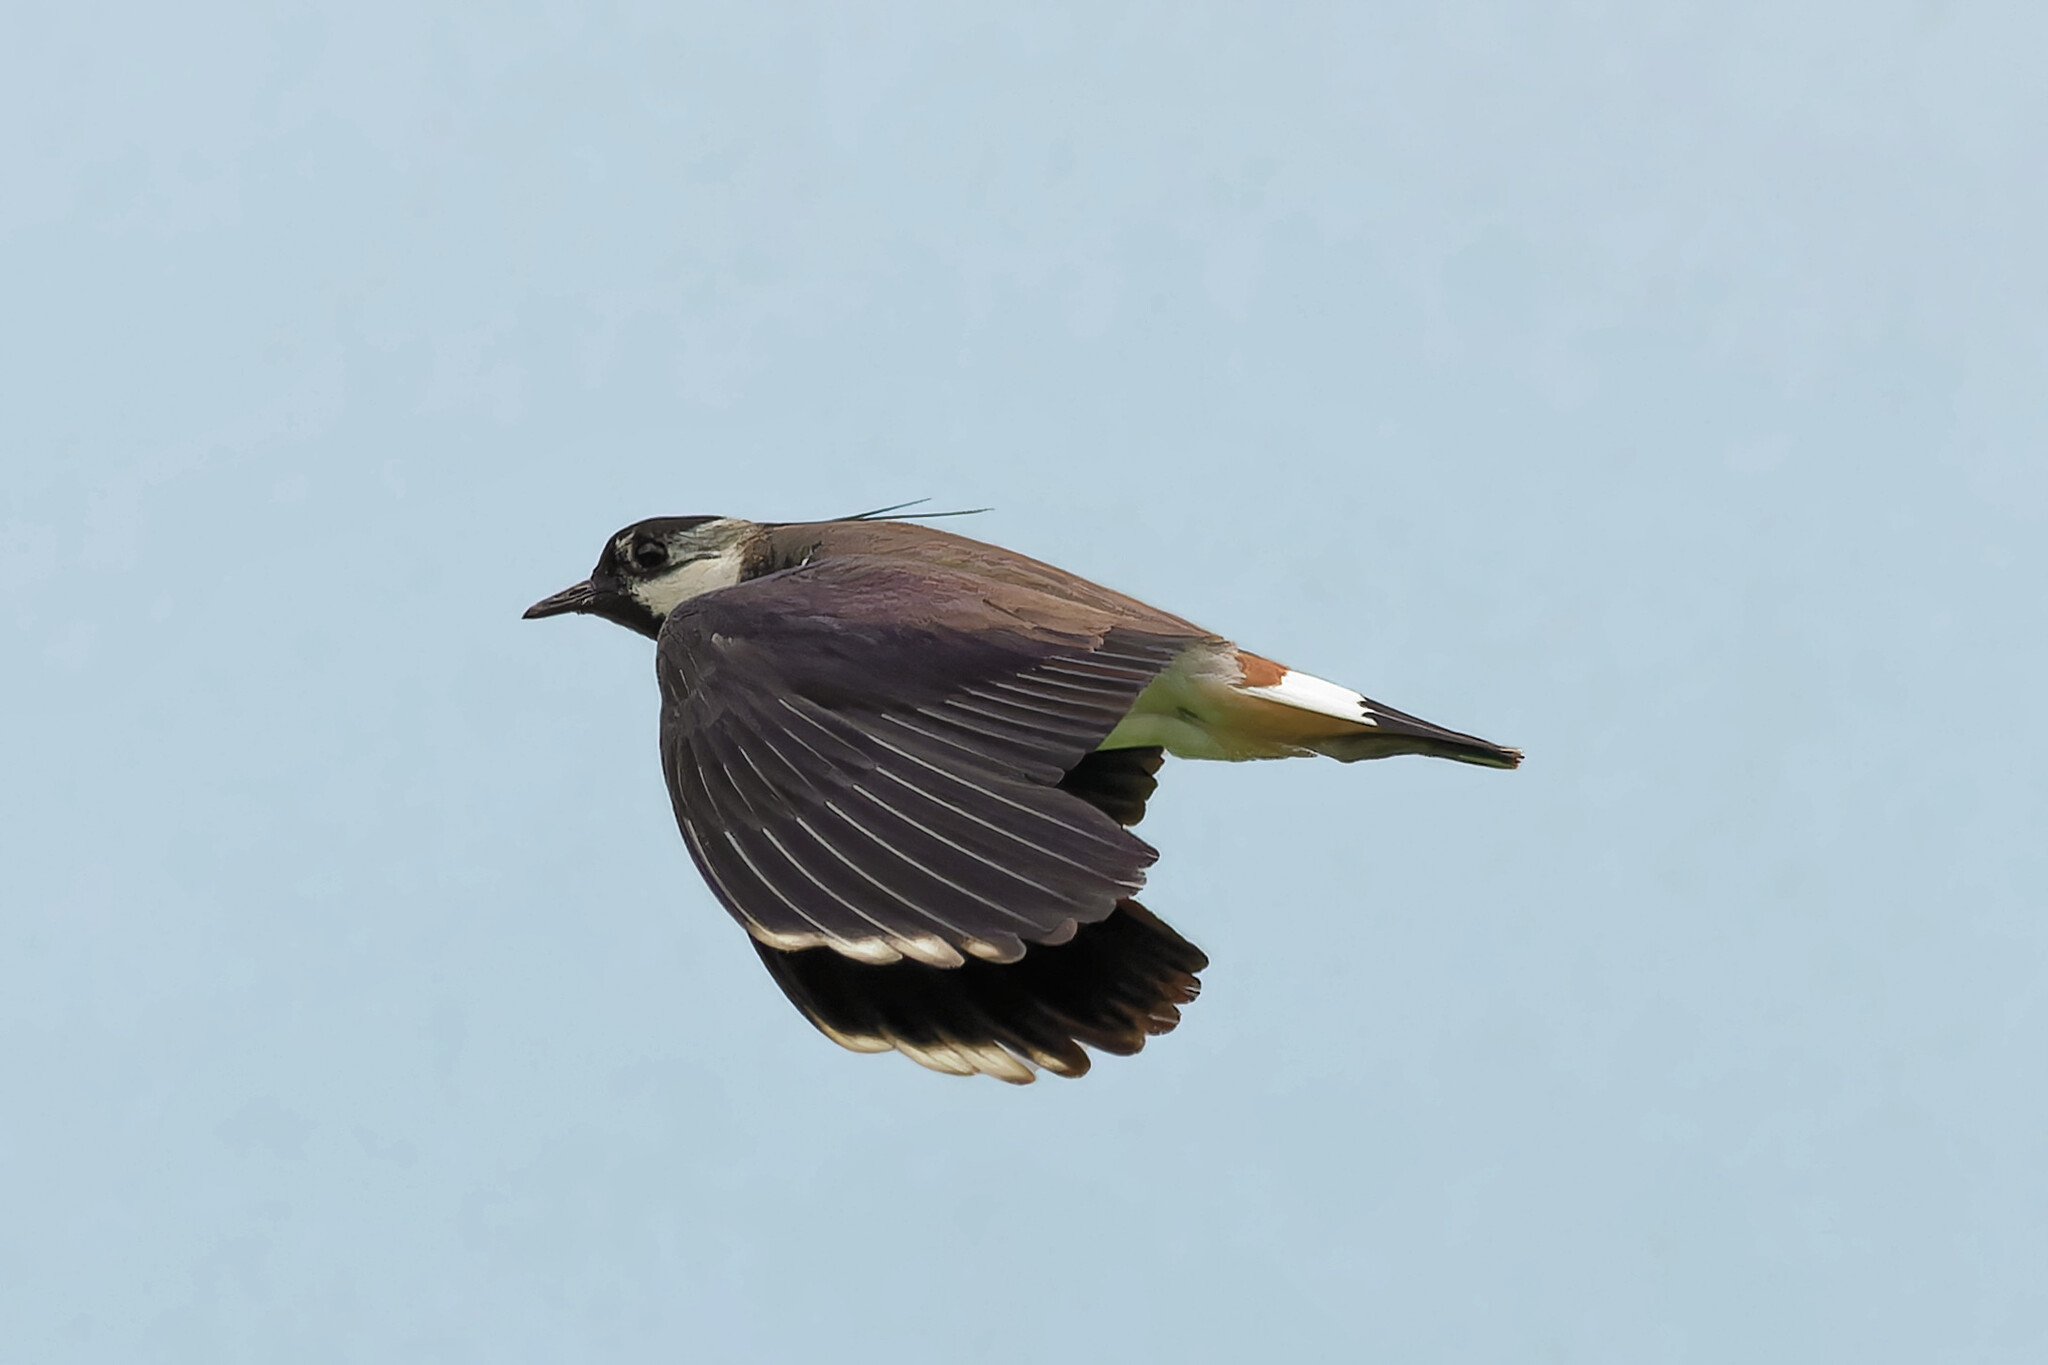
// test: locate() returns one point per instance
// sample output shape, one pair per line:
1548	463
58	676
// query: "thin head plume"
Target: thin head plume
880	512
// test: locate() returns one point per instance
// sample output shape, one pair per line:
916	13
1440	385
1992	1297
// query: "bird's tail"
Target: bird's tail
1397	733
1347	726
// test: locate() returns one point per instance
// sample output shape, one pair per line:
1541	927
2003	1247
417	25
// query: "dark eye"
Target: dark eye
650	554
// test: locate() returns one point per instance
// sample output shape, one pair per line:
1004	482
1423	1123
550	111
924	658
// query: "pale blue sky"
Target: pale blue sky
1662	388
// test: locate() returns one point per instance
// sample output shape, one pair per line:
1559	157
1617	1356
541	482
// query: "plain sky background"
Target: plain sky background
1660	387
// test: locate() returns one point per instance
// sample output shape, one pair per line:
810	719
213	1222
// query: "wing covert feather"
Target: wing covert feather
867	757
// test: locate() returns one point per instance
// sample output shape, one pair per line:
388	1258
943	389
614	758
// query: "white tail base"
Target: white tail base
1305	692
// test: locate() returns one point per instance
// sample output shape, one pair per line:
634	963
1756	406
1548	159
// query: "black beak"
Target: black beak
579	598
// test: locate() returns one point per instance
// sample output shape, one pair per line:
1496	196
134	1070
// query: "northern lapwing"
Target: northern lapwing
907	763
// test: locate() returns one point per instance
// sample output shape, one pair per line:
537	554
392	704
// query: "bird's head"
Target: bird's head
652	565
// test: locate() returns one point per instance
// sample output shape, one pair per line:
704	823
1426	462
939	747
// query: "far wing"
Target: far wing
866	756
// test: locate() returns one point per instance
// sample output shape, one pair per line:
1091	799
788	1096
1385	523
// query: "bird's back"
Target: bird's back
911	544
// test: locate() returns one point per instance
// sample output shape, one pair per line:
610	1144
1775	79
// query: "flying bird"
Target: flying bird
908	763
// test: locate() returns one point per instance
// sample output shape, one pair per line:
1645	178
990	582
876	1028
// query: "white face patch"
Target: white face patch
694	578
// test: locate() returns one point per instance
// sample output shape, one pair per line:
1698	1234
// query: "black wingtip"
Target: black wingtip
1117	782
1112	986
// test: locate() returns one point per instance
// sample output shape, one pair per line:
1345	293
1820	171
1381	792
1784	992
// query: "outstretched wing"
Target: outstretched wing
867	756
